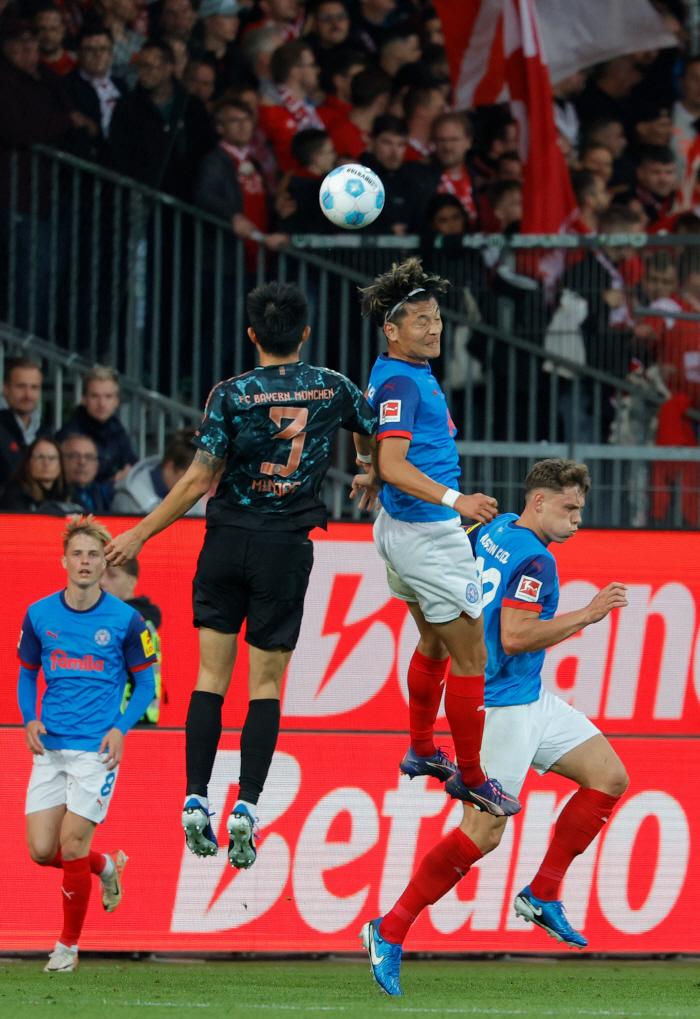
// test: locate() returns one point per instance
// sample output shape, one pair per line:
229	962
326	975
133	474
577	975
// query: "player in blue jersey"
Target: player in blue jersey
418	533
526	725
271	432
86	642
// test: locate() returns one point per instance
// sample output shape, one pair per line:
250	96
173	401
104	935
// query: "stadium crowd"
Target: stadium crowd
89	465
242	106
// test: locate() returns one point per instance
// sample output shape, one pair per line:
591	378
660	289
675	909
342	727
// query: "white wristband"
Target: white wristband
256	235
450	497
364	459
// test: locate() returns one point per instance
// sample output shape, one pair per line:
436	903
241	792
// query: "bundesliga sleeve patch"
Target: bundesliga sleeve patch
390	410
528	589
147	643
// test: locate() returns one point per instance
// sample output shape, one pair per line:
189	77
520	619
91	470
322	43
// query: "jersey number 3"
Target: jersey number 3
295	432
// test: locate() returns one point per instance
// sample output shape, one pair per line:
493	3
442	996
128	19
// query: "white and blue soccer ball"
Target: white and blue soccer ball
351	196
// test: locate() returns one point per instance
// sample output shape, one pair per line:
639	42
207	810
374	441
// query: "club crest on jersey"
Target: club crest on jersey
390	410
102	637
472	593
528	589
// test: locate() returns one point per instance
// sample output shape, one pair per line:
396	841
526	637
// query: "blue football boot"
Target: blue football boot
384	958
489	796
550	916
199	834
439	765
242	833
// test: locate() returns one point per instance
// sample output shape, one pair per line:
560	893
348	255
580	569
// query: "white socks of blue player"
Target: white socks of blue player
109	869
203	801
250	807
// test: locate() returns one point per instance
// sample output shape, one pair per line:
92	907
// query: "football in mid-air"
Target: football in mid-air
352	196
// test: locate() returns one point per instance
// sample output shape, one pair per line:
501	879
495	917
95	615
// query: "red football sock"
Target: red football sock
97	862
77	882
425	682
439	870
577	825
464	707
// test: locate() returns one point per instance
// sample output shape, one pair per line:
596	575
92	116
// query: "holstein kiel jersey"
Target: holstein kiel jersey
410	404
276	427
85	657
517	571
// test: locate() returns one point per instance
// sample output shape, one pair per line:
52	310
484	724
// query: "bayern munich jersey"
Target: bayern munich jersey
276	426
410	404
85	656
518	571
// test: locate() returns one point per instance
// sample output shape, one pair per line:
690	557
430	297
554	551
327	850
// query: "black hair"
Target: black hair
584	183
179	450
598	124
164	48
279	314
340	62
307	144
657	154
368	85
237	104
11	363
92	29
616	218
285	58
439	202
389	124
393	287
399	32
417	97
500	188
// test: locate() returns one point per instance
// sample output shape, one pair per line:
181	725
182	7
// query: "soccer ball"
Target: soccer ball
351	196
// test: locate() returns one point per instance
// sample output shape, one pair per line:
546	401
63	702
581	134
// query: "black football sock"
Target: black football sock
202	732
258	742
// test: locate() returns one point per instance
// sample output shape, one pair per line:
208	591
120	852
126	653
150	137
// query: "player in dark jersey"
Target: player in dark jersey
271	431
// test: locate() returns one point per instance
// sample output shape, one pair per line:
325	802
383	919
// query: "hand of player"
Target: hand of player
125	546
32	731
614	596
273	242
368	487
477	507
113	746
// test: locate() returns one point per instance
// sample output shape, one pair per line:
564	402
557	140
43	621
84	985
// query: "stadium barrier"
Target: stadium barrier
341	831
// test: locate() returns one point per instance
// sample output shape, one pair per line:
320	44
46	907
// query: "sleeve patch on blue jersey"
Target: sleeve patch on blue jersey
390	410
528	589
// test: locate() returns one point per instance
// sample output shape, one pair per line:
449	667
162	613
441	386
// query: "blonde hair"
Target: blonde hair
405	282
100	373
86	525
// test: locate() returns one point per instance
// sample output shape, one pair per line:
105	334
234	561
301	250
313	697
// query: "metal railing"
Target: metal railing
105	269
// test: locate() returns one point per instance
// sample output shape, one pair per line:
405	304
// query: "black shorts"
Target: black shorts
254	575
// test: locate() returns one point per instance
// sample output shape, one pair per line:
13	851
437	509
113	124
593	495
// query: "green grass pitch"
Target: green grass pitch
344	989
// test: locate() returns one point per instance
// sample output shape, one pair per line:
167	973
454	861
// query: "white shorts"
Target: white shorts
537	735
78	778
431	563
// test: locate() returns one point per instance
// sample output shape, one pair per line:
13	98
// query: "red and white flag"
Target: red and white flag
495	52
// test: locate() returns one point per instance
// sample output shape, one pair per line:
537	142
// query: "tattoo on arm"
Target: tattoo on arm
208	460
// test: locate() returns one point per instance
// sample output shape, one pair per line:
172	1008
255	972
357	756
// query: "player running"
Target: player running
526	726
87	642
272	432
418	533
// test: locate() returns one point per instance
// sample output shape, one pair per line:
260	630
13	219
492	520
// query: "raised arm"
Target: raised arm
522	630
181	498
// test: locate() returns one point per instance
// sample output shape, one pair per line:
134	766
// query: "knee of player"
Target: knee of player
617	781
41	856
73	849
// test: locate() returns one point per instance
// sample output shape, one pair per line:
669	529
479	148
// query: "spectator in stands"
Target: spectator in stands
257	48
51	33
610	132
406	192
20	417
591	198
159	132
230	184
399	47
598	159
177	21
446	216
181	55
433	34
372	20
148	483
120	582
259	148
330	23
422	106
336	82
216	42
657	181
686	112
497	134
653	125
295	73
452	139
314	153
285	16
96	417
370	91
608	89
200	80
38	485
81	463
93	91
505	199
565	115
117	17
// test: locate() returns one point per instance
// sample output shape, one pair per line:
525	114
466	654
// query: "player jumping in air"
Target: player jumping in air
272	432
526	726
418	533
87	642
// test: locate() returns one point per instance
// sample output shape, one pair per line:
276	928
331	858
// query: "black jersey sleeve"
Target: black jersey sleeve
358	416
218	428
